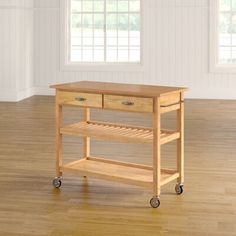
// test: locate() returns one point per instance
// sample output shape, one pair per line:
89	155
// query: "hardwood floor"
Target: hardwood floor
29	205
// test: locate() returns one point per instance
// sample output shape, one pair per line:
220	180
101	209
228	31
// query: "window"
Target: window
104	32
223	35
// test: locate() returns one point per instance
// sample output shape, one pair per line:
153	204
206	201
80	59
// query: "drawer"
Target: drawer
125	103
80	99
169	100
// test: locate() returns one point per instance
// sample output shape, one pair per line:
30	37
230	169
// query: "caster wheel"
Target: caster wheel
155	202
56	183
179	188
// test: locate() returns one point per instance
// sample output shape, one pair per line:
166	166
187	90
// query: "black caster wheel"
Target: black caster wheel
155	202
56	182
179	188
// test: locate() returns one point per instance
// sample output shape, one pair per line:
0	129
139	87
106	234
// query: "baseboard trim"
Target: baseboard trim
21	95
8	96
44	91
212	94
16	96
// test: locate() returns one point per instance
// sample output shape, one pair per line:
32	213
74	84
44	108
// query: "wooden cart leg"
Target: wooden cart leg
59	120
155	202
86	139
180	142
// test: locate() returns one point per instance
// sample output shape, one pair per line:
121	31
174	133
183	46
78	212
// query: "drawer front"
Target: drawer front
79	99
169	100
125	103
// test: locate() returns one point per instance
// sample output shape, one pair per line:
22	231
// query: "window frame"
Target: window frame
215	66
66	65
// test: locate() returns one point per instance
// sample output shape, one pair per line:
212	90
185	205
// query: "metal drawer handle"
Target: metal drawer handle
127	103
80	99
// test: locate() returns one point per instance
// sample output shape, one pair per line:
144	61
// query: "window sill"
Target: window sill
223	69
97	67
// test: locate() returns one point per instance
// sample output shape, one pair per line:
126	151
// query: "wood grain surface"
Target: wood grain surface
118	88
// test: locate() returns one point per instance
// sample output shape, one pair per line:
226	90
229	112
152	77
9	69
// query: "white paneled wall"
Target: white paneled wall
176	50
16	49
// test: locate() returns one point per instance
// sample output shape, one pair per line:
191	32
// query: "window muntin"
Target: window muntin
105	31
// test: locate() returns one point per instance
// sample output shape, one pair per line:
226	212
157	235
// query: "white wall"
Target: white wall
176	50
176	36
16	49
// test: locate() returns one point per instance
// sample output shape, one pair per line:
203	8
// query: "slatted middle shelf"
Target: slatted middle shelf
108	131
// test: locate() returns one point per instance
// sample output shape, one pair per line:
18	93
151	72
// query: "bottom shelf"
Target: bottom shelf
129	173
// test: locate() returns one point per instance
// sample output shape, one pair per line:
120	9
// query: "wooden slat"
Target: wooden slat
99	159
170	108
108	131
119	125
168	178
166	138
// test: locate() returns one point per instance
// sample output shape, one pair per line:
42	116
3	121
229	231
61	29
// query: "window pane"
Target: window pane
99	41
134	55
98	33
134	41
234	40
98	5
225	39
111	21
98	54
111	33
87	6
234	5
112	41
76	5
111	54
233	29
87	20
225	55
134	20
123	41
234	55
134	6
87	54
76	21
111	5
98	21
123	6
76	41
87	41
225	5
224	26
123	22
87	25
76	54
123	54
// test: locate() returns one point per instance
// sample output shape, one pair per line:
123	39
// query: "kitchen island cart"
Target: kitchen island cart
155	100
